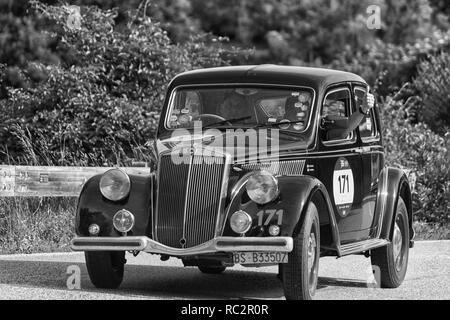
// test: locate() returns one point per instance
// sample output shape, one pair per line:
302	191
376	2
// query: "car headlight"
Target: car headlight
262	187
123	221
240	222
115	185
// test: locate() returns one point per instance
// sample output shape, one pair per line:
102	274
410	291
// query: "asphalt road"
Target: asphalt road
44	276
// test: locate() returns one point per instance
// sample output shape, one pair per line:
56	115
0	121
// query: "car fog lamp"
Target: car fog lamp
123	221
262	187
115	185
274	230
94	229
240	222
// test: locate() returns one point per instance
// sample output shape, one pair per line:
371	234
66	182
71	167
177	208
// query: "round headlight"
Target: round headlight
123	221
274	230
94	229
262	187
240	222
115	185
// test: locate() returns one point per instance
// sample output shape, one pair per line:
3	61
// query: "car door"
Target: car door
372	159
341	166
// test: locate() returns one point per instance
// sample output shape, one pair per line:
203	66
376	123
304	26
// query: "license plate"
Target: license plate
260	257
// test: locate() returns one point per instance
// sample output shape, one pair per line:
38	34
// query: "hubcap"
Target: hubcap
397	246
312	270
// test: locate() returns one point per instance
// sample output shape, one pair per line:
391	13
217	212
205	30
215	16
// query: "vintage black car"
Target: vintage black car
254	166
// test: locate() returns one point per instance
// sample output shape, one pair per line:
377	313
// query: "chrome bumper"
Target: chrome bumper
220	244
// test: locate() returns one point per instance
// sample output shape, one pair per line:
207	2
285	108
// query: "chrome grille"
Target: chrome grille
189	200
171	197
279	168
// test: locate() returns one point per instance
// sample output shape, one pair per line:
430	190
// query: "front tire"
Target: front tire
105	268
391	261
300	275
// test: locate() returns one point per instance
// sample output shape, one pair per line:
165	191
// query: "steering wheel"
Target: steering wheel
213	117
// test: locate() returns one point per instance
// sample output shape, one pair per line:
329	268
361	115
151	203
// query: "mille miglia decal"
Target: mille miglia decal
343	186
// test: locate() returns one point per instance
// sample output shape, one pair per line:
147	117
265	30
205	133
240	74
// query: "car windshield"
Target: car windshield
241	107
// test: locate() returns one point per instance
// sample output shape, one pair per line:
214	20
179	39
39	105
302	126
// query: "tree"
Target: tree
103	98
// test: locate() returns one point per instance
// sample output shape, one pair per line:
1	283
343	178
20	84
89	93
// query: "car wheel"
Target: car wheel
300	275
105	268
392	260
212	269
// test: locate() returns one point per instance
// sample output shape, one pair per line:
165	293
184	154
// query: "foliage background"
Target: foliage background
92	96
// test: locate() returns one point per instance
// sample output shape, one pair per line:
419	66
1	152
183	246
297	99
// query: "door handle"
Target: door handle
363	150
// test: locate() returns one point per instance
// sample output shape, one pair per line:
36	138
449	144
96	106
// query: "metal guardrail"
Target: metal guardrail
29	181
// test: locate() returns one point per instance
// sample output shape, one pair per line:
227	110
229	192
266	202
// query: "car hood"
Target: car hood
242	147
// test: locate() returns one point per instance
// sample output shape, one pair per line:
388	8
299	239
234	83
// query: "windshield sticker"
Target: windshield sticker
303	98
343	187
368	124
285	124
272	120
184	119
295	94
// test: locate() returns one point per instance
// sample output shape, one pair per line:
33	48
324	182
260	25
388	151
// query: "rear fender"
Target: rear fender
393	184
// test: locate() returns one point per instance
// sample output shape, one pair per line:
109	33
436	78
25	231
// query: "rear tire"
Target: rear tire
105	268
392	260
212	269
300	275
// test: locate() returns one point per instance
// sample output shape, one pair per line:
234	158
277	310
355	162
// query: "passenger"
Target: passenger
342	126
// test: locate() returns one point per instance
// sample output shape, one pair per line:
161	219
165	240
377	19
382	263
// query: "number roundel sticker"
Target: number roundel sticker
343	187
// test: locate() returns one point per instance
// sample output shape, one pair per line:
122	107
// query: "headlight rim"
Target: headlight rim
127	181
275	180
131	215
247	229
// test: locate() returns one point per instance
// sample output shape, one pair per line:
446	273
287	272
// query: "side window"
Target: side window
337	105
367	128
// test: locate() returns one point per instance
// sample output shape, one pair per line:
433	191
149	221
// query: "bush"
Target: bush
433	86
386	66
103	98
424	154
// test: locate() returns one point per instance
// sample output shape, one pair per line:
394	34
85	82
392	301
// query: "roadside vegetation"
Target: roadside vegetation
91	96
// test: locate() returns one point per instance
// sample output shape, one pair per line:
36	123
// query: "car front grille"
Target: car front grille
189	199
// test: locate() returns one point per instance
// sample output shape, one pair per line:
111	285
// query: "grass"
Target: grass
432	231
36	225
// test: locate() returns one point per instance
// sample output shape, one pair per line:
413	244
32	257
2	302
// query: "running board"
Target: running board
362	246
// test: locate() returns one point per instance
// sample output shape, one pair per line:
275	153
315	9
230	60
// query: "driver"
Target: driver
234	107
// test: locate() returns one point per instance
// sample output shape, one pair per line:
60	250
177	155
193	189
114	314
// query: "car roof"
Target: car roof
316	78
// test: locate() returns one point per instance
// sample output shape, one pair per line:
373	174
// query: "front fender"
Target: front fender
94	208
295	195
394	183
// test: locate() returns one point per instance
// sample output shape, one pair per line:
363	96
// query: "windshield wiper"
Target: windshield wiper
286	132
277	124
231	121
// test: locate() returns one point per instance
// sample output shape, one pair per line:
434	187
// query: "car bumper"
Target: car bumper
220	244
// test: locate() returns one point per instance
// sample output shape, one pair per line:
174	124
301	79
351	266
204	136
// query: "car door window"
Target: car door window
337	104
367	128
